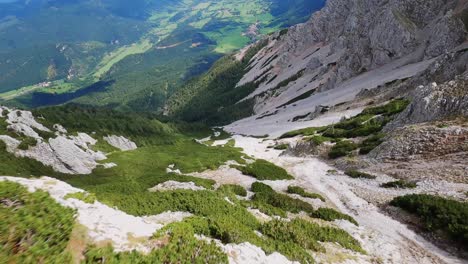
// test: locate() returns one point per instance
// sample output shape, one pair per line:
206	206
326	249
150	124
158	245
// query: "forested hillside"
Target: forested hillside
122	54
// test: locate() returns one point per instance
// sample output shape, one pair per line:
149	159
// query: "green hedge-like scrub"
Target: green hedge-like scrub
236	189
33	227
438	214
400	184
342	149
265	170
303	193
329	214
359	174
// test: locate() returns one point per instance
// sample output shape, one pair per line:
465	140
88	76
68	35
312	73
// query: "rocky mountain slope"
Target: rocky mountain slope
357	152
350	47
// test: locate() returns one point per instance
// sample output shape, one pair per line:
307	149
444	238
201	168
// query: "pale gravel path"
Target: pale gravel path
381	236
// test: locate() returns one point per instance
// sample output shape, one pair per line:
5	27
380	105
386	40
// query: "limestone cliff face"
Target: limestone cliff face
350	46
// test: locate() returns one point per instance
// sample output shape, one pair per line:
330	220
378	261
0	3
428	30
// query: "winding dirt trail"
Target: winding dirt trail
385	239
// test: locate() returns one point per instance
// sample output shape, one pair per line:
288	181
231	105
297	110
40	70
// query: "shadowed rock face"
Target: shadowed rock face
436	102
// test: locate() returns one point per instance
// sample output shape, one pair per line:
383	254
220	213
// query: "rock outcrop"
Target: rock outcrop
71	154
121	142
437	102
423	141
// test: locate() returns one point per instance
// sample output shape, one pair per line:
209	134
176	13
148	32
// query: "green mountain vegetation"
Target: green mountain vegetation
126	187
438	214
125	54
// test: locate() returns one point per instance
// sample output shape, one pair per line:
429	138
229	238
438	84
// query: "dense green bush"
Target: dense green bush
265	170
342	149
264	194
303	193
393	107
236	189
301	132
33	227
370	143
438	214
281	147
329	214
359	174
319	139
306	234
400	184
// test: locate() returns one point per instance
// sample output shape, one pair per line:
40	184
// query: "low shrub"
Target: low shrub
303	193
401	184
265	170
393	107
181	247
319	139
27	142
342	149
281	147
33	227
438	214
265	194
304	132
306	234
359	174
329	214
370	143
233	188
89	198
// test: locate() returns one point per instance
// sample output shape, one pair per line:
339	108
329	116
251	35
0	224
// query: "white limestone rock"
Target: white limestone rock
175	185
120	142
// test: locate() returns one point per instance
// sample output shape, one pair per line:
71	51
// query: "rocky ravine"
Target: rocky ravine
349	47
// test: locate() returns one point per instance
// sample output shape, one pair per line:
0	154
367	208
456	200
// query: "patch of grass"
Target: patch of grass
341	149
33	227
329	214
89	198
265	170
359	174
303	193
400	184
281	147
438	214
27	142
